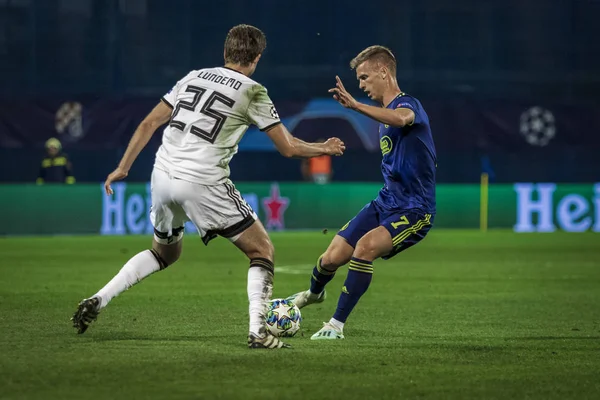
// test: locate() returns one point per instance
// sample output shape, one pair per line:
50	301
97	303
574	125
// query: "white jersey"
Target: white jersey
212	109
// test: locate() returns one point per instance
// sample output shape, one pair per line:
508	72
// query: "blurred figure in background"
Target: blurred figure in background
56	167
317	169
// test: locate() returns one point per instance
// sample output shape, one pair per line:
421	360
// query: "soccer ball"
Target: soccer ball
283	318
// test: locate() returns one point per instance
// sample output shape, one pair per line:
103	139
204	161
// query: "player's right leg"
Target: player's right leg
168	219
337	254
140	266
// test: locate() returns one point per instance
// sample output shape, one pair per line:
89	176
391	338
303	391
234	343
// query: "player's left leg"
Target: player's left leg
236	221
256	244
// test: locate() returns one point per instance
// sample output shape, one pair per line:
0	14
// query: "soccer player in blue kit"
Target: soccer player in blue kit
404	210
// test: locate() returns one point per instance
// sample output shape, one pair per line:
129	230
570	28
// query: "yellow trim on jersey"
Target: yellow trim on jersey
345	226
399	238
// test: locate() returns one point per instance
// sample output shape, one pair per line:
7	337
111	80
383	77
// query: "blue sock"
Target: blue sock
320	277
360	273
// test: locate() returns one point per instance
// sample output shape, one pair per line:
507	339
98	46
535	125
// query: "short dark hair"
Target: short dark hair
380	54
243	44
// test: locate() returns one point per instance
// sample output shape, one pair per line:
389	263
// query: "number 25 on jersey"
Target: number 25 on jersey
207	109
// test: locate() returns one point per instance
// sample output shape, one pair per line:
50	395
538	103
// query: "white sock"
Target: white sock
137	268
337	324
260	289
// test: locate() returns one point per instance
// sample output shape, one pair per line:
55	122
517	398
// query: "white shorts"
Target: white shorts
215	210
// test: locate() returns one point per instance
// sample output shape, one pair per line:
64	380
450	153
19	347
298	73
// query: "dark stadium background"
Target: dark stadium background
501	300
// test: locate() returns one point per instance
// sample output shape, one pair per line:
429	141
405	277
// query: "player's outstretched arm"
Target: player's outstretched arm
290	146
157	117
262	113
398	117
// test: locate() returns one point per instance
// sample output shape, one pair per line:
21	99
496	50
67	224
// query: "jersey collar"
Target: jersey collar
234	70
399	95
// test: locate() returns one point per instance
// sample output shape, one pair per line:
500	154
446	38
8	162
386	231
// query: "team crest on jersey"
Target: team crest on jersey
274	113
386	145
386	126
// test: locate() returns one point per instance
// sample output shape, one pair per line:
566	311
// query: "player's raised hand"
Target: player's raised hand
116	175
334	147
341	94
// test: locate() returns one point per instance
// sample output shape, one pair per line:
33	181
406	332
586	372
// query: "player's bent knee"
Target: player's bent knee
166	247
255	242
333	259
337	254
367	249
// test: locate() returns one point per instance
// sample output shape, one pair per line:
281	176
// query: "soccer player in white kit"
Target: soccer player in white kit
208	112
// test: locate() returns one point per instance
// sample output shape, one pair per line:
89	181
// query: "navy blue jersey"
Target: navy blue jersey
409	161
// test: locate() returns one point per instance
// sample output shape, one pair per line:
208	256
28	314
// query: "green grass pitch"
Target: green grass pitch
463	315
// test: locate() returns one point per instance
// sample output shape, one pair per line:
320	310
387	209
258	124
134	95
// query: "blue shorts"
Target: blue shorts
407	228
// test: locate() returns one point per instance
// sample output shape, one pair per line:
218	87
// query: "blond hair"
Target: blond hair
379	54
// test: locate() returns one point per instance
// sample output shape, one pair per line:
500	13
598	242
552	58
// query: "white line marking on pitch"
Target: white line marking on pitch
299	269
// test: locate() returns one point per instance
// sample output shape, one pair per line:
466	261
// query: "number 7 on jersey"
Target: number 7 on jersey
403	221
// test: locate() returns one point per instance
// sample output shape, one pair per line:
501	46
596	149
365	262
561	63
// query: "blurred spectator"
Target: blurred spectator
317	169
56	167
